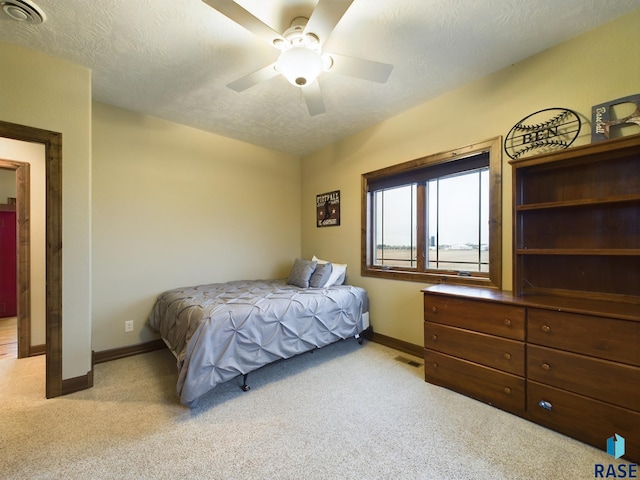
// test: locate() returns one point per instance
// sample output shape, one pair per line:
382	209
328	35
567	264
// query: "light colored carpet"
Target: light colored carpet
344	412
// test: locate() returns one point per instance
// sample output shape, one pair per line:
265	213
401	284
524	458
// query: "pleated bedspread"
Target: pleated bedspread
223	330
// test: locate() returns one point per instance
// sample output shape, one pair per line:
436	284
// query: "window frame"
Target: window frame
492	279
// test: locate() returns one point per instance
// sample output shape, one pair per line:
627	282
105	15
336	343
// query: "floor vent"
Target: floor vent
413	363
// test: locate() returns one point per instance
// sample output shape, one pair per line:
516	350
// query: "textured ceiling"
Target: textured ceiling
173	58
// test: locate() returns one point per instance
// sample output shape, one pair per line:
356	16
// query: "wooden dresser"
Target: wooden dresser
476	348
564	349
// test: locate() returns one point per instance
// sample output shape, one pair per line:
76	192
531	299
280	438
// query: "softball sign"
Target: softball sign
542	131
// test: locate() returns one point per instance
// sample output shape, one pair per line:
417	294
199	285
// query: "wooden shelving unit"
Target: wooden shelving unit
577	223
562	350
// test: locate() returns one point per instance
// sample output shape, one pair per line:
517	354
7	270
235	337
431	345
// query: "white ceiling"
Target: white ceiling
173	58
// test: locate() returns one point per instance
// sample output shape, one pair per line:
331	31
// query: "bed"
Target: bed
222	330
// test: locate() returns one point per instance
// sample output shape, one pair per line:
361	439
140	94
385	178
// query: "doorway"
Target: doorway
52	142
8	265
20	212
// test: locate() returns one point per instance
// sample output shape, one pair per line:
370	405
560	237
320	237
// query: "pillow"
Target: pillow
338	272
301	273
321	275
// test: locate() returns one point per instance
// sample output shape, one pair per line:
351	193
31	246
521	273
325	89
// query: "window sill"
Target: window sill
434	278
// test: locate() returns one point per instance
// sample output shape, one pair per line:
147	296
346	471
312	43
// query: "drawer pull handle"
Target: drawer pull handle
434	309
546	328
435	365
544	404
507	322
507	390
434	337
546	366
507	356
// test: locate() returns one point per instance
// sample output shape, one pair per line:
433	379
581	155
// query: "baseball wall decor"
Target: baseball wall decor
603	117
328	209
543	131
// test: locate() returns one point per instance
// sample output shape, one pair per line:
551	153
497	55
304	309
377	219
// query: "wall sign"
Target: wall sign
542	131
328	209
603	117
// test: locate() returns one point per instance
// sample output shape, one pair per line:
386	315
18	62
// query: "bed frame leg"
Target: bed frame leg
366	333
244	385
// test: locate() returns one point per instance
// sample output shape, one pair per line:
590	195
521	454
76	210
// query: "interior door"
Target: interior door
8	264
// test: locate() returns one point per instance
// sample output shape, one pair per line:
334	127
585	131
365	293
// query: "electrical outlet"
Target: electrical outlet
128	326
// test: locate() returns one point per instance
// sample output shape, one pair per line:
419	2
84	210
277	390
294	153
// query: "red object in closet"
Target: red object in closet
8	264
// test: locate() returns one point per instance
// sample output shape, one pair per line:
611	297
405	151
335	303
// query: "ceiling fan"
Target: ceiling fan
301	58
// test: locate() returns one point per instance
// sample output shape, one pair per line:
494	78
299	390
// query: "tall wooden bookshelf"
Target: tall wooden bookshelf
563	349
577	222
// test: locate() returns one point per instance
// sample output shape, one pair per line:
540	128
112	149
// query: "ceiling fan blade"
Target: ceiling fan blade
325	17
313	97
254	78
360	68
245	19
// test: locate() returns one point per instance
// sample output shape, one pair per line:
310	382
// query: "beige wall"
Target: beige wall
175	206
7	179
599	66
51	94
34	155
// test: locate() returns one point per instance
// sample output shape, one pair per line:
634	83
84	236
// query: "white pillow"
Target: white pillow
338	274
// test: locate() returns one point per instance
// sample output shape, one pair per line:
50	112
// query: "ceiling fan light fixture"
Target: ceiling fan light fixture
327	62
300	65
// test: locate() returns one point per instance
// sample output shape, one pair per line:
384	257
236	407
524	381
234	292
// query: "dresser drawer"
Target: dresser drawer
487	317
489	350
607	338
497	388
612	382
588	420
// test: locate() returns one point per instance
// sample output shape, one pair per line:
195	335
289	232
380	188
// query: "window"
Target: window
436	219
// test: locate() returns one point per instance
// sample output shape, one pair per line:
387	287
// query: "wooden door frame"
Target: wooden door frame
23	252
53	228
